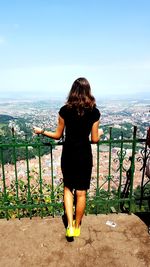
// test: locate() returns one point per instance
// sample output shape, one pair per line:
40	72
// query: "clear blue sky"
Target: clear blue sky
46	44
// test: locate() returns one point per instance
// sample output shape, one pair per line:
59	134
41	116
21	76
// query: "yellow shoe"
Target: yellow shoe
77	232
70	232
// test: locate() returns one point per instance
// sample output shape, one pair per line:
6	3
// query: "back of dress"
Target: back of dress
76	161
78	127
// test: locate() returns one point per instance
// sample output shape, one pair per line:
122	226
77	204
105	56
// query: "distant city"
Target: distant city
119	113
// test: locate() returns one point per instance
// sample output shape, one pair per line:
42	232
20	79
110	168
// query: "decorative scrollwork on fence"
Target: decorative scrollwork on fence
143	159
120	161
145	154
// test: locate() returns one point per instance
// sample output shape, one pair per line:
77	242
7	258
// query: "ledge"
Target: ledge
42	242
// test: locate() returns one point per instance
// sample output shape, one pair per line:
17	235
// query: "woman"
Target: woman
79	117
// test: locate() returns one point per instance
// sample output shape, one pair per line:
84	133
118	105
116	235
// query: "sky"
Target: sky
46	44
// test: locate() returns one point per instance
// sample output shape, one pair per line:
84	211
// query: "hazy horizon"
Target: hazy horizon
58	96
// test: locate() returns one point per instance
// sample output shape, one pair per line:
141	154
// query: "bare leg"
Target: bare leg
68	203
80	205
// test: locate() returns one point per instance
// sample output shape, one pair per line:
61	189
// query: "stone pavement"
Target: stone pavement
41	242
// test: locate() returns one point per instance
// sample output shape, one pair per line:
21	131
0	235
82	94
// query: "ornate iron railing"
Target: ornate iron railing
31	182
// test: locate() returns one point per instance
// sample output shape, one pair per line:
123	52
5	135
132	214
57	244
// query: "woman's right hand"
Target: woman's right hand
37	130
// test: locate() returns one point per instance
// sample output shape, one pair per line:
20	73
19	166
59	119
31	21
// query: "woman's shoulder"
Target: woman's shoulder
96	110
64	107
96	113
62	111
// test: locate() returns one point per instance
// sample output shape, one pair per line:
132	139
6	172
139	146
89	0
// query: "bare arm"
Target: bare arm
55	135
96	132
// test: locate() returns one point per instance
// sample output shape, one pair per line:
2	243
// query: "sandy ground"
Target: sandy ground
42	242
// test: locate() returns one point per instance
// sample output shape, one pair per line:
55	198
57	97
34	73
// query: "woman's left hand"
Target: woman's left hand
100	131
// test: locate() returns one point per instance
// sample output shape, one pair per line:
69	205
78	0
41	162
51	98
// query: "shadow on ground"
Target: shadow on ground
145	217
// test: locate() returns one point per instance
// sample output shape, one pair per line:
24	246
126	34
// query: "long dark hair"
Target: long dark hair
80	96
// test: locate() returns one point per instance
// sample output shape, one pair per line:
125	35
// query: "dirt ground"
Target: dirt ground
42	242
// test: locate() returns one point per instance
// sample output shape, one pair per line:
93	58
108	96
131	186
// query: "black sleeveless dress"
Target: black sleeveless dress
76	159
